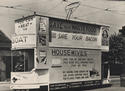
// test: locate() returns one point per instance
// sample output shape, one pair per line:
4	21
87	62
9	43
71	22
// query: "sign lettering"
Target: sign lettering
73	27
26	26
62	36
20	39
64	39
75	65
68	52
23	41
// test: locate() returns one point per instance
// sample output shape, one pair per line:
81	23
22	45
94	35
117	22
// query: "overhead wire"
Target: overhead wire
101	9
54	6
30	10
104	9
89	14
69	9
85	5
100	22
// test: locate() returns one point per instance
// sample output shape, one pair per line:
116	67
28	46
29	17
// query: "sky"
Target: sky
108	12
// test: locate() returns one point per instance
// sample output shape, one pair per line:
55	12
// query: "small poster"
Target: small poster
43	24
42	55
41	60
105	39
42	40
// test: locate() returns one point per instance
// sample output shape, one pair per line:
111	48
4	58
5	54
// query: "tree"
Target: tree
115	54
115	57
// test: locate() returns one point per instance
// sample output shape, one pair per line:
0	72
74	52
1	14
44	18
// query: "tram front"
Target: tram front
25	74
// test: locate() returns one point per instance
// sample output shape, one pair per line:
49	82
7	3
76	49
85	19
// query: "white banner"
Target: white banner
75	40
71	65
24	41
26	25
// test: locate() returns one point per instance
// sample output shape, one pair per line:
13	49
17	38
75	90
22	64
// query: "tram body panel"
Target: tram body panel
82	69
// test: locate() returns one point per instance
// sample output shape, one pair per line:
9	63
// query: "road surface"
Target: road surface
108	89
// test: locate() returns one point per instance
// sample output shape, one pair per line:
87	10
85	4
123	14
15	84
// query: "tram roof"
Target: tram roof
60	18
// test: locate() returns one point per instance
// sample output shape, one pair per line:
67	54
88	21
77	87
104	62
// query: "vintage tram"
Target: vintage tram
52	54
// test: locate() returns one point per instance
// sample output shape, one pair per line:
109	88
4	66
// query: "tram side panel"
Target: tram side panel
74	68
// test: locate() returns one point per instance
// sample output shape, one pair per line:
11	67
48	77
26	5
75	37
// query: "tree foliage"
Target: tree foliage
116	50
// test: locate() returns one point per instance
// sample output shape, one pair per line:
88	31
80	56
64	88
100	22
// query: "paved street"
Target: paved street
115	86
6	88
115	81
108	89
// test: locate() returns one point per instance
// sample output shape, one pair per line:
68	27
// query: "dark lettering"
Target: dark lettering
68	52
62	36
75	37
91	38
21	39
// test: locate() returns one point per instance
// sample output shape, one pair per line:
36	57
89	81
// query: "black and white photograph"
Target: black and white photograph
62	45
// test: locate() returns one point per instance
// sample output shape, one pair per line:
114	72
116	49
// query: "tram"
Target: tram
53	54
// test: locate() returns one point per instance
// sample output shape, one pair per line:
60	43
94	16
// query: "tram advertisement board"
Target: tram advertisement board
26	25
75	40
23	41
74	65
105	38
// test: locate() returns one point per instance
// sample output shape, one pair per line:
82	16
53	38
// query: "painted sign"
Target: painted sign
75	40
23	41
73	27
41	60
76	65
26	25
105	38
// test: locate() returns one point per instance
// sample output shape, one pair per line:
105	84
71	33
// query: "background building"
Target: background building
5	59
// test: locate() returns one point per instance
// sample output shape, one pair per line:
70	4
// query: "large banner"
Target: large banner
75	40
23	41
73	26
75	65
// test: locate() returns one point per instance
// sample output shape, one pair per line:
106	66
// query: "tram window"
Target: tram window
23	60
